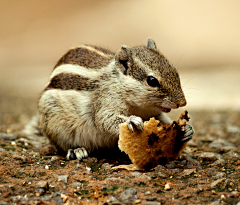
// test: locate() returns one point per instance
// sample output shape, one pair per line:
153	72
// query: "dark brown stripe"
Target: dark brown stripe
67	81
86	58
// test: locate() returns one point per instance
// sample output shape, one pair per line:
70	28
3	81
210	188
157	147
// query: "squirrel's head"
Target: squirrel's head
155	80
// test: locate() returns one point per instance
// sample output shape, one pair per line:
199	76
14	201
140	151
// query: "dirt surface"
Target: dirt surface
207	172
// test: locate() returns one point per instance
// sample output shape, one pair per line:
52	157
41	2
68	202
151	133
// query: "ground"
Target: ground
207	172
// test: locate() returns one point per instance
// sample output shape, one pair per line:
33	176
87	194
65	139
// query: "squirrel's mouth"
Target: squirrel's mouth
165	109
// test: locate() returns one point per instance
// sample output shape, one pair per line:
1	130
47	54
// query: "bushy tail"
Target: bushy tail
32	127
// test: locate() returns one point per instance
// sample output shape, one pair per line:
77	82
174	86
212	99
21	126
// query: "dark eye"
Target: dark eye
153	82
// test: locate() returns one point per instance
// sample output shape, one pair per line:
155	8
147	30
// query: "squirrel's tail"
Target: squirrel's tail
32	127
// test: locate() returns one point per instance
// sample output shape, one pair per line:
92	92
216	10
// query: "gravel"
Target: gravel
207	172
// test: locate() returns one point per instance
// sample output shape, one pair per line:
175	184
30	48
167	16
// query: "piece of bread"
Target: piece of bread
155	144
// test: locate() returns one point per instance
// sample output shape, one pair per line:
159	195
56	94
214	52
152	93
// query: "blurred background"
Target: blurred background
201	38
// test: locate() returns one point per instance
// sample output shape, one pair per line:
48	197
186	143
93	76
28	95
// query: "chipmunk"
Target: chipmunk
92	90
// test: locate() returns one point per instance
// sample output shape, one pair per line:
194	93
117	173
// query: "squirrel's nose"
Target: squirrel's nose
181	103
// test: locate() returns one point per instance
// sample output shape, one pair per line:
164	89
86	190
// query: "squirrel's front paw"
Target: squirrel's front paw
78	153
136	121
188	133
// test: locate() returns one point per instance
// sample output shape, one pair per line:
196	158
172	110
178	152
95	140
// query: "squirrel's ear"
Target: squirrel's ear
124	59
151	43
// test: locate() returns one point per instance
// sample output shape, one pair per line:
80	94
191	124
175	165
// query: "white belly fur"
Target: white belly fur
70	120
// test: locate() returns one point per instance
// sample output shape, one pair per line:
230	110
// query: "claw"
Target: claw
188	133
136	121
78	153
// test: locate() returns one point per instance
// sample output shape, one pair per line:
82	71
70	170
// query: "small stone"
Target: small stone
167	186
76	184
234	156
216	183
171	165
46	198
64	197
219	143
147	193
22	158
233	129
234	194
159	168
208	156
42	184
39	192
138	201
3	203
217	202
187	172
54	161
152	203
136	174
129	195
214	192
151	175
62	178
111	199
47	167
79	166
90	160
161	175
186	196
7	136
220	175
219	162
197	191
223	198
106	166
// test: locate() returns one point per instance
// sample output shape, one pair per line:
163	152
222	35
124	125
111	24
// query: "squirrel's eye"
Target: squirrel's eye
153	82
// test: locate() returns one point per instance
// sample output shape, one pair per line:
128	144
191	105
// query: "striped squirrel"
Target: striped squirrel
92	90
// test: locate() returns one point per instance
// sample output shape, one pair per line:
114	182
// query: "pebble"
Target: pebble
160	174
219	162
152	203
7	136
217	182
196	191
147	193
159	168
209	156
220	175
222	145
76	184
233	129
79	166
234	156
117	180
187	172
136	174
128	196
42	184
217	202
62	178
54	161
3	203
218	143
39	192
167	186
111	199
106	166
46	198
